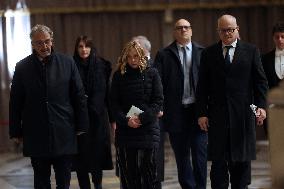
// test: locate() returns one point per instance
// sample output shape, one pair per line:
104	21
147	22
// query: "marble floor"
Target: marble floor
16	172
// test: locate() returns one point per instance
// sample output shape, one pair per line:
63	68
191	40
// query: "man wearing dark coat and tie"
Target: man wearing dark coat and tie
178	66
231	79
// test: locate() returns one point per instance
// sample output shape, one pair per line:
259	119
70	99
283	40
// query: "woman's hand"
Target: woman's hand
134	122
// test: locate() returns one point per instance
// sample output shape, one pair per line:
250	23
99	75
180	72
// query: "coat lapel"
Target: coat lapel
238	52
272	63
219	54
36	64
173	48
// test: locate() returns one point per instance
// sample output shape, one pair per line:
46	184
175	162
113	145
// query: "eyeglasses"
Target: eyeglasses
42	43
227	30
182	27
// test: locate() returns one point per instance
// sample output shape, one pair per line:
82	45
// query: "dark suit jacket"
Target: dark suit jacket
224	95
168	63
268	62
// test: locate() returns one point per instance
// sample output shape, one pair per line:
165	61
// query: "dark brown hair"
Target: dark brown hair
89	43
278	27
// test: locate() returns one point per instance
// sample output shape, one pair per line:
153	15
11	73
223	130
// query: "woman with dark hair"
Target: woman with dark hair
94	147
137	132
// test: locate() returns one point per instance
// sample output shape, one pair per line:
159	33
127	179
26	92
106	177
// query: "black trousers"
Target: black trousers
225	171
42	171
137	168
84	180
190	149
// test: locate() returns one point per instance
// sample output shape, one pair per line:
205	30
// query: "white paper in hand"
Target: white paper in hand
134	111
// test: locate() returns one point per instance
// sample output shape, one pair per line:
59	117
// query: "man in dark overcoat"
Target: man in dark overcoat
231	79
178	66
47	109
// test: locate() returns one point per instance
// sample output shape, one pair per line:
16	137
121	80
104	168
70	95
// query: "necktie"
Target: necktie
184	59
188	76
227	56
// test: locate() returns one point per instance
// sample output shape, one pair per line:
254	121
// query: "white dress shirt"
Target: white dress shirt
231	50
279	63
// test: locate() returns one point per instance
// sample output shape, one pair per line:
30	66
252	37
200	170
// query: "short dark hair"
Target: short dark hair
278	27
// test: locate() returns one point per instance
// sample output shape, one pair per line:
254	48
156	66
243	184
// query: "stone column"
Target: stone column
276	135
167	27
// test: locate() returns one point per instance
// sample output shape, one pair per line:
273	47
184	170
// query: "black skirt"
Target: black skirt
137	168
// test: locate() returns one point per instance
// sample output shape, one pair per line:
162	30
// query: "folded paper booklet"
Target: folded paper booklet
134	111
254	108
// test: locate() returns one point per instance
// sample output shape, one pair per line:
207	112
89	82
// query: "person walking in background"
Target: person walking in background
146	45
231	78
178	66
94	147
136	135
47	109
273	61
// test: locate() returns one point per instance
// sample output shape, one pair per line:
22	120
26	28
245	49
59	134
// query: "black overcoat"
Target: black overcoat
224	95
95	146
168	63
48	107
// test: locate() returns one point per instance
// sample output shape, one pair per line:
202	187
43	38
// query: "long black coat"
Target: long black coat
168	63
47	108
268	62
95	146
224	95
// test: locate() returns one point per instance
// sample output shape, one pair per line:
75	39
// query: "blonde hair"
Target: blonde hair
122	60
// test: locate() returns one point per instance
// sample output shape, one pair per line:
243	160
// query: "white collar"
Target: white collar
188	46
279	52
234	44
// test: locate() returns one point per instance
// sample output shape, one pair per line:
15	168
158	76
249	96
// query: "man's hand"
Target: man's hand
17	140
113	128
260	116
160	114
203	123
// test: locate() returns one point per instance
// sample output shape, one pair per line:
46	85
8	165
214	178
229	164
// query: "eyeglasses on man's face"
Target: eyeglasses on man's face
227	30
41	43
182	27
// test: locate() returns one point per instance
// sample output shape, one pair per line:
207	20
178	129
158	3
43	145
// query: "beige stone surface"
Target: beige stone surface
276	136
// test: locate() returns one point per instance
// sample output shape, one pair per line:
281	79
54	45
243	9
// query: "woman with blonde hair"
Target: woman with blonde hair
134	84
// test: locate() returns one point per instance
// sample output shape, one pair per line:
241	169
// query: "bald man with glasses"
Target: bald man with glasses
178	66
231	78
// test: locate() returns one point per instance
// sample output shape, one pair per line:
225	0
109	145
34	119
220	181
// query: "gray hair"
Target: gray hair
41	28
143	41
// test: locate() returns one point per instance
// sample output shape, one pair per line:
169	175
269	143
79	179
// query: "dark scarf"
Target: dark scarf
86	70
